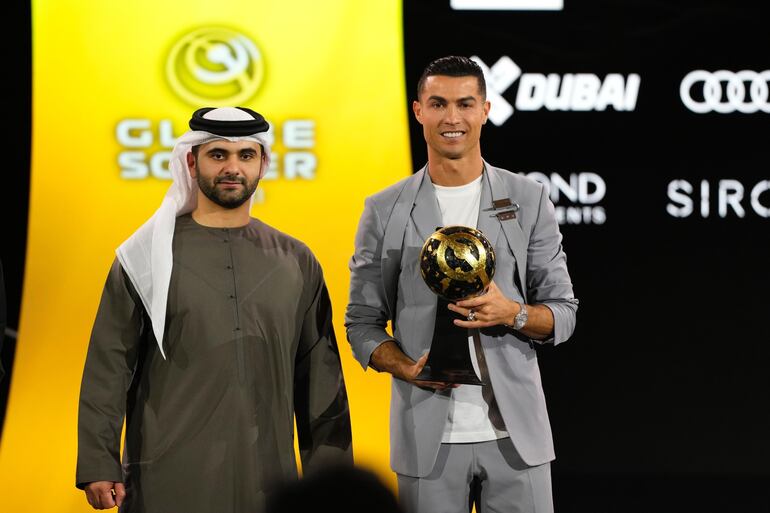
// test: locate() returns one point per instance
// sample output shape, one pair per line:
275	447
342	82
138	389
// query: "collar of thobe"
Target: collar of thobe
146	256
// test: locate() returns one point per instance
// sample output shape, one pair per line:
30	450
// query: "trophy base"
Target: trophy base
459	376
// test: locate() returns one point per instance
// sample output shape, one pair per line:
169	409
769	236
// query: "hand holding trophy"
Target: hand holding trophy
456	262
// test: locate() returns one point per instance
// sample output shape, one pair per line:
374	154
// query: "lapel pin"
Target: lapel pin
511	207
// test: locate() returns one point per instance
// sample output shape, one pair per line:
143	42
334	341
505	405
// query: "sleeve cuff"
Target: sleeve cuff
366	343
564	314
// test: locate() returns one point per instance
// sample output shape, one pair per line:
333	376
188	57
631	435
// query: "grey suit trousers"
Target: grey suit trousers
490	475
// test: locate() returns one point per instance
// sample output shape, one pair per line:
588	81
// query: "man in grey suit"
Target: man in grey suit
453	446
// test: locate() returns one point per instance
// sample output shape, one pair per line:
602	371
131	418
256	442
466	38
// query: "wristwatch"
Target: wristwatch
521	318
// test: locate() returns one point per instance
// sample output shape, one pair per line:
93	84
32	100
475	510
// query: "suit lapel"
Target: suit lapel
425	214
393	239
511	228
487	223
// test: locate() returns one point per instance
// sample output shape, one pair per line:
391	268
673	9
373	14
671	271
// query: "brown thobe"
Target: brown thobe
250	346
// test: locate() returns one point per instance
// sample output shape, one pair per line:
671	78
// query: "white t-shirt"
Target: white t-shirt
473	414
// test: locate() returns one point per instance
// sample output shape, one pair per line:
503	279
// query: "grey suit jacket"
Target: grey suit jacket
385	285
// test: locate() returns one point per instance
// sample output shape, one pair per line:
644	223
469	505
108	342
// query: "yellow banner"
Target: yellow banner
113	84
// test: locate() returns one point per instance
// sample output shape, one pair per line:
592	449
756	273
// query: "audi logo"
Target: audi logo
726	91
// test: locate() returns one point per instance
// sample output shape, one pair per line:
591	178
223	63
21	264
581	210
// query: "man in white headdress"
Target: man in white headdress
214	332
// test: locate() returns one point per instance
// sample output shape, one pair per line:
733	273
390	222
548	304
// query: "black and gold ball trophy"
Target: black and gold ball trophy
456	262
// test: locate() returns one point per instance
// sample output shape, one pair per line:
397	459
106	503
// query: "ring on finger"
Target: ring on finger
471	315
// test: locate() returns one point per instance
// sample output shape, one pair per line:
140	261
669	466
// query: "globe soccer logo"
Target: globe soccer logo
215	66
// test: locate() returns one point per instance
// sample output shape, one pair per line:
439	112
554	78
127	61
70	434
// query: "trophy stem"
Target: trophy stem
449	360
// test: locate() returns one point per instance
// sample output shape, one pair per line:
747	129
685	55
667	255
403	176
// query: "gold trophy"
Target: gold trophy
456	262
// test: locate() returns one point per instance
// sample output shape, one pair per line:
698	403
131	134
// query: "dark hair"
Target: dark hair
453	66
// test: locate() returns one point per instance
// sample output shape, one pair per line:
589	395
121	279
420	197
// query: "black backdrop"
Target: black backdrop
660	400
14	181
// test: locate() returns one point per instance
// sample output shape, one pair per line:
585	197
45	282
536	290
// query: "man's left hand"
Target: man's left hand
490	309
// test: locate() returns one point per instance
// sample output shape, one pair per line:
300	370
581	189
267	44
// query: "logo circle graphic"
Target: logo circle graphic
725	91
215	66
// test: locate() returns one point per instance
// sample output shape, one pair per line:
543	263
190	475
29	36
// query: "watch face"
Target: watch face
521	318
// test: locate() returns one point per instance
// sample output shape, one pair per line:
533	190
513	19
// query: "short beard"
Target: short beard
223	199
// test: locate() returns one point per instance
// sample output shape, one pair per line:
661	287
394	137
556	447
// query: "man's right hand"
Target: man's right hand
105	494
414	370
388	357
